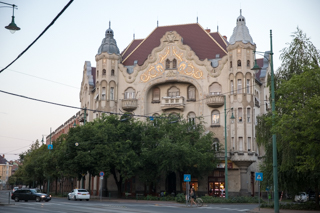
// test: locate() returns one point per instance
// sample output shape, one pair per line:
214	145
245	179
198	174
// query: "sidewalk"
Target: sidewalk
267	210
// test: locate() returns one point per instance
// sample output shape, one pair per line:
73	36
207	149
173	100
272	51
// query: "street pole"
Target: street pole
274	140
225	150
48	191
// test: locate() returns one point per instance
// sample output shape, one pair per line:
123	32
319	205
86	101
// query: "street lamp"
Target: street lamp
225	149
12	26
274	141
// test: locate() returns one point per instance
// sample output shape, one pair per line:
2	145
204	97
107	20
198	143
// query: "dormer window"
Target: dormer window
174	63
167	64
217	55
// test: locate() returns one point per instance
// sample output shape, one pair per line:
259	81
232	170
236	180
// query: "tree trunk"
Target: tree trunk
119	183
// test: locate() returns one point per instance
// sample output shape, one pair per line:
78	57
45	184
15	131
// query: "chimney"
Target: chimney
208	30
225	37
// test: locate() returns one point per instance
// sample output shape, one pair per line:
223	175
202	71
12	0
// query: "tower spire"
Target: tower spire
240	12
110	24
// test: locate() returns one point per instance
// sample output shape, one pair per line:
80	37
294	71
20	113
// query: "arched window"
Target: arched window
167	64
104	72
156	95
248	63
112	72
192	118
129	93
215	117
173	92
215	89
239	63
174	63
215	144
191	93
230	64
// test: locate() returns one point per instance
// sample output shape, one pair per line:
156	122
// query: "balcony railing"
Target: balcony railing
215	100
172	103
129	104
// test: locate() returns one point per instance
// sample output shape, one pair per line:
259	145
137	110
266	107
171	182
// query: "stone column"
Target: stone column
243	165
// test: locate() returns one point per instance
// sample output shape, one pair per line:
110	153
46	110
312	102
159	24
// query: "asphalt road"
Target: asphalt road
62	205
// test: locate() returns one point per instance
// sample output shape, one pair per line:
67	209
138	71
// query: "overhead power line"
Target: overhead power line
39	35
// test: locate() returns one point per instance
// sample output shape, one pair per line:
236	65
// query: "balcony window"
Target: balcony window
173	92
215	117
215	89
129	93
112	93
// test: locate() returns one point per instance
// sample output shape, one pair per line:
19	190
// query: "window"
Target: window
240	144
232	87
97	73
249	143
103	94
191	93
174	63
156	95
129	93
104	72
248	115
239	63
230	64
215	89
112	72
239	86
167	64
112	93
215	117
191	118
240	114
248	86
215	144
173	92
232	143
248	63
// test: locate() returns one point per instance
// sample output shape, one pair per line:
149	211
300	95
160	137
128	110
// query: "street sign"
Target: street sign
259	176
50	146
151	118
187	178
101	174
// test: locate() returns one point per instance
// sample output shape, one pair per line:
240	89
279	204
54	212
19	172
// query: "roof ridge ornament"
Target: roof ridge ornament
241	31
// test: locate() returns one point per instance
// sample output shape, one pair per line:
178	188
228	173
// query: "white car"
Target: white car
301	197
79	194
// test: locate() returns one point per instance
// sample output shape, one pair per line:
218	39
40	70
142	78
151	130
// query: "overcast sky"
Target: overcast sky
52	68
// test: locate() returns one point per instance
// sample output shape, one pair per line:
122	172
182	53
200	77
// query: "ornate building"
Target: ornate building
188	70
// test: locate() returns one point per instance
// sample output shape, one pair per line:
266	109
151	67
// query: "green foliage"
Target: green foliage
238	199
180	198
293	206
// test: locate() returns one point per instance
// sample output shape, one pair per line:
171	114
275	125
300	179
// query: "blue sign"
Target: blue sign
50	146
187	178
151	118
101	174
259	176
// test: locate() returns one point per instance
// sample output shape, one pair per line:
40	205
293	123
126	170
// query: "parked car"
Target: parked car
15	188
79	194
29	194
301	197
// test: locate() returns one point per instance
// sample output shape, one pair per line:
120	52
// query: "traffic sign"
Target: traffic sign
50	146
187	178
259	176
101	174
151	118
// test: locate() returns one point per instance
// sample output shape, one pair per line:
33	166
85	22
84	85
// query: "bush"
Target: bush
180	198
293	206
238	199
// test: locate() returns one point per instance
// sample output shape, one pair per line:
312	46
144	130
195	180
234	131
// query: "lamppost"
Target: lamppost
274	141
225	149
12	26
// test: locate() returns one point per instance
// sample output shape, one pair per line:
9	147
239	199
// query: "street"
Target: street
62	205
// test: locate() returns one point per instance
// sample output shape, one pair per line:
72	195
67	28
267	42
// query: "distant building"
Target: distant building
5	172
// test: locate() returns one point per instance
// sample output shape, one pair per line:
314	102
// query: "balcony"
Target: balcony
215	100
129	104
172	103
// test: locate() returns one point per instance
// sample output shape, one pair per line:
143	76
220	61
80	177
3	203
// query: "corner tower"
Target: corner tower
107	75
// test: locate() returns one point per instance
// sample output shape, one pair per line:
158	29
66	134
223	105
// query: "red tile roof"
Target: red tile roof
260	64
204	45
216	36
131	47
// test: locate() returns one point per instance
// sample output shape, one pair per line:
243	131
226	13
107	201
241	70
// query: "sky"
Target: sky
51	69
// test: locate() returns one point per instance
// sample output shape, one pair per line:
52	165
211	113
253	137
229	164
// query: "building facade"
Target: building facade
5	172
188	70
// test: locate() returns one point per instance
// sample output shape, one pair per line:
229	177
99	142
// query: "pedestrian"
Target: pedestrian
192	196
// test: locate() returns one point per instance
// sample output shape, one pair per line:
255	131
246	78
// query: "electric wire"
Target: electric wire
62	11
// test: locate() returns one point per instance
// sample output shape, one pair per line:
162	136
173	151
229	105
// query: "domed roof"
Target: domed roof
241	32
109	44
